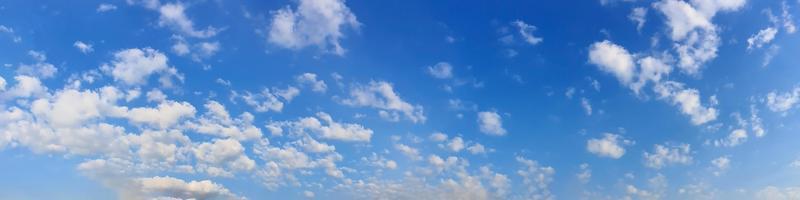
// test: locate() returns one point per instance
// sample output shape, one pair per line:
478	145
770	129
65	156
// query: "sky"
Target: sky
335	99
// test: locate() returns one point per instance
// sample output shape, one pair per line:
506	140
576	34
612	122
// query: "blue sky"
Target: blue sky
333	99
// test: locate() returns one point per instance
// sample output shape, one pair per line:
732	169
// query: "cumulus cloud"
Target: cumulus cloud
41	68
104	7
310	79
166	115
611	146
217	121
638	15
695	36
526	32
173	16
172	188
223	152
491	123
324	126
83	47
763	37
313	23
721	165
736	138
664	155
441	70
613	59
134	66
536	179
688	100
782	102
270	99
777	193
381	95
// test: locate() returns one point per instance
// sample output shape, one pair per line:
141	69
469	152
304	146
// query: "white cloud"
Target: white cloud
311	79
721	165
688	100
585	174
104	7
27	86
173	16
270	99
456	144
491	123
41	69
134	66
782	102
611	146
313	22
83	47
438	137
695	36
763	37
587	106
613	59
776	193
476	149
166	115
408	151
663	156
81	106
227	153
536	179
173	188
736	138
441	70
217	121
381	95
325	127
638	15
526	31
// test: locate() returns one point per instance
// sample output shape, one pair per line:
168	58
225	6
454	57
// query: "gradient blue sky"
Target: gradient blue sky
334	99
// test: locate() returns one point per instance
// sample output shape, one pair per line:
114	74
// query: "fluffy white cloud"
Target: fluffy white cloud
688	100
695	36
456	144
614	59
638	15
83	47
26	86
526	32
104	7
41	68
217	121
81	106
491	123
667	155
736	137
586	105
408	151
166	115
763	37
438	137
381	95
313	22
585	174
536	179
782	102
311	80
270	99
325	127
223	154
134	66
441	70
173	15
721	164
173	188
611	145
